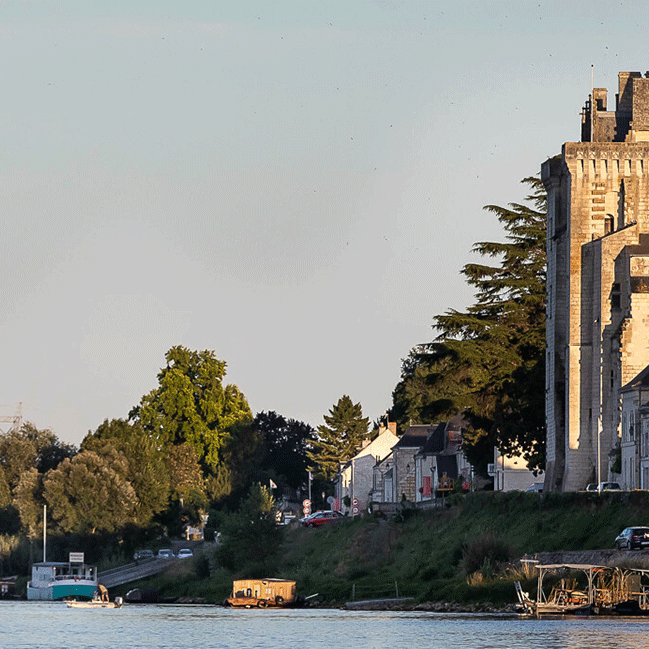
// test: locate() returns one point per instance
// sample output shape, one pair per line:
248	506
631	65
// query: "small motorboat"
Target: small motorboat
95	603
100	600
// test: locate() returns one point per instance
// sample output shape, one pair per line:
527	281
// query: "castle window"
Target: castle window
608	224
620	205
615	296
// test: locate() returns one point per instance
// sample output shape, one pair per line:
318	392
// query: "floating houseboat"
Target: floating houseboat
60	580
262	593
585	589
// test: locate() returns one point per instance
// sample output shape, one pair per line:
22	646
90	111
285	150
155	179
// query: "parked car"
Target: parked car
536	487
603	486
320	518
609	486
165	554
141	555
633	538
185	553
307	517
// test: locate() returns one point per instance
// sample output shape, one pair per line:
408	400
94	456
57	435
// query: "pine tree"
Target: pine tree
488	362
340	439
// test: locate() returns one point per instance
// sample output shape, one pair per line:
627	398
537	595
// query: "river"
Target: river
51	625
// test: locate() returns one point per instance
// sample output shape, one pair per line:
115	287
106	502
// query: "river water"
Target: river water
51	625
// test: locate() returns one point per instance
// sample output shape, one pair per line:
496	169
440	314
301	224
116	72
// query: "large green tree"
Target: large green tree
191	405
487	362
285	443
340	438
91	493
28	447
26	455
147	463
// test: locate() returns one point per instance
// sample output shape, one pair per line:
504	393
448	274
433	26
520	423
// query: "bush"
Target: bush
202	566
485	553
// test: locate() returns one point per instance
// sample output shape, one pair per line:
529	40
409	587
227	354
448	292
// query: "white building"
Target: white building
635	433
355	478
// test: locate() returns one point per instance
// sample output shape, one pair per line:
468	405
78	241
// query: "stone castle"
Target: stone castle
597	285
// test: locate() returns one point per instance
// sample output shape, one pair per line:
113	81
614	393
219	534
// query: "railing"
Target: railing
392	507
127	566
133	572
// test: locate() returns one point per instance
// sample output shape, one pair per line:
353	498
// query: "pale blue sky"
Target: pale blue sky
295	185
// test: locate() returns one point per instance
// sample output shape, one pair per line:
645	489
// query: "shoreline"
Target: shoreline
431	607
379	605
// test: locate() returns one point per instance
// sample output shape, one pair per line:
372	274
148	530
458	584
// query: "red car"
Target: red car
320	518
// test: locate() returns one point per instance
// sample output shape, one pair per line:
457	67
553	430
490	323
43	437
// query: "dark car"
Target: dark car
633	538
320	518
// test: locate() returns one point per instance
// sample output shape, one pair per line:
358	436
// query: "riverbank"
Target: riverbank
461	559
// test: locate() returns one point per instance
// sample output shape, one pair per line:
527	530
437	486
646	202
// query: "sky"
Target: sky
293	185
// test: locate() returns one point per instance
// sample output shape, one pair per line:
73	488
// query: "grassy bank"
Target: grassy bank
466	553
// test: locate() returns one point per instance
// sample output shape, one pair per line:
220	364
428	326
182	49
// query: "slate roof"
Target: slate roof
415	436
435	442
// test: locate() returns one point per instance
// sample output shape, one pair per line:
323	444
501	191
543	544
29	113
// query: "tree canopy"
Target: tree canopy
28	447
340	438
147	463
26	455
91	493
191	405
285	443
488	362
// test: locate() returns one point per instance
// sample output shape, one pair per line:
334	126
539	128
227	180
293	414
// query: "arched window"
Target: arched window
608	224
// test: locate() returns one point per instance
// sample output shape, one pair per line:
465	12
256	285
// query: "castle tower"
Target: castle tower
597	281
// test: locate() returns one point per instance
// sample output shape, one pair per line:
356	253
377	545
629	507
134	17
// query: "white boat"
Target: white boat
60	580
95	603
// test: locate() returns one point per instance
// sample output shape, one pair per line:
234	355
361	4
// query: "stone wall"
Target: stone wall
598	309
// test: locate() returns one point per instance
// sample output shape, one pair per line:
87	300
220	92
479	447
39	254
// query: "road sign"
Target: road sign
355	502
306	506
355	510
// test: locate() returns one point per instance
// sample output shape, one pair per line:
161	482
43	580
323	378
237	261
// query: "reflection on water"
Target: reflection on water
43	625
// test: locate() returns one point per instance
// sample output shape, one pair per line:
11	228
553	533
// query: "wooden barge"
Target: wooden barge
263	593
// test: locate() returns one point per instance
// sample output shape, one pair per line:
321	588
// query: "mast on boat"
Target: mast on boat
44	533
